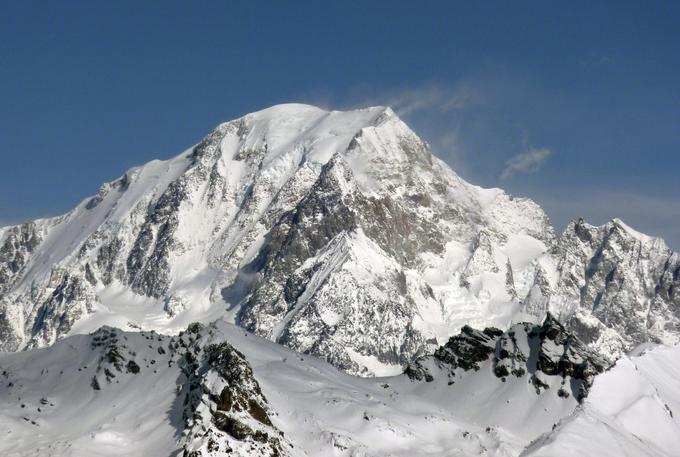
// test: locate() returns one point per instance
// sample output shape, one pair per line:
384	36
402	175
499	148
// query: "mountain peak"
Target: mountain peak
336	233
301	109
581	226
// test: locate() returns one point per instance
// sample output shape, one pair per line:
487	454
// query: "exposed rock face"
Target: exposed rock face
69	299
225	411
218	391
17	245
536	351
206	387
316	241
614	287
116	357
335	233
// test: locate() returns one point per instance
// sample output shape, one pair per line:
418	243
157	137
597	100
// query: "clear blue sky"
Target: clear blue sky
576	105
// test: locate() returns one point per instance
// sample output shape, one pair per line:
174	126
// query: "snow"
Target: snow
634	233
321	410
487	261
522	250
67	233
630	411
479	262
299	139
133	417
374	365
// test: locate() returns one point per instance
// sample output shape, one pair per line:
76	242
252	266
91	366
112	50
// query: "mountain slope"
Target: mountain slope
546	356
631	411
215	391
337	234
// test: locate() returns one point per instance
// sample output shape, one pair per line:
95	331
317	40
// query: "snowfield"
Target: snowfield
631	411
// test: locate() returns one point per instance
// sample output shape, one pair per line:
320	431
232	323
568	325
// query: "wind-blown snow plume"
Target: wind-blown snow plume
526	162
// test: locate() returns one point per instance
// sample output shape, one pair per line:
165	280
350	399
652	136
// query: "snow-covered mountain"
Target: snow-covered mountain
337	234
613	286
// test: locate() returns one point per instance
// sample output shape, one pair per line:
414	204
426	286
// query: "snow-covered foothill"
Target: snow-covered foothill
632	411
216	390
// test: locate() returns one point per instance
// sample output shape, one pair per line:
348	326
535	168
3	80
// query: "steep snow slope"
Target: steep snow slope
631	411
337	234
218	388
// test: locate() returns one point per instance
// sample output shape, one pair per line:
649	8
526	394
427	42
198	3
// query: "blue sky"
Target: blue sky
576	105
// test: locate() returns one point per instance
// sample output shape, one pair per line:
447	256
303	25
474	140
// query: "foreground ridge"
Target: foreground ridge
537	352
215	390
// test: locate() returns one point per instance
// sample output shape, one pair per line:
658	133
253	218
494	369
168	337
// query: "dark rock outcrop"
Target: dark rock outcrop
224	407
541	352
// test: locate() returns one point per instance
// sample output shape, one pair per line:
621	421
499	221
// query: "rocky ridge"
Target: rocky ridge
225	411
614	287
535	352
215	390
217	406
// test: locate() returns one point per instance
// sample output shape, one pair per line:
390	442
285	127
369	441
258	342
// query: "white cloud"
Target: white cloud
526	162
596	60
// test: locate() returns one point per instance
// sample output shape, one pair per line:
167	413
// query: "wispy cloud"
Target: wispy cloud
471	123
475	125
435	111
596	60
429	98
526	162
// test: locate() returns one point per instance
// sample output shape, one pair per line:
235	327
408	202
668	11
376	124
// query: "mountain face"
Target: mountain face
337	234
613	286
